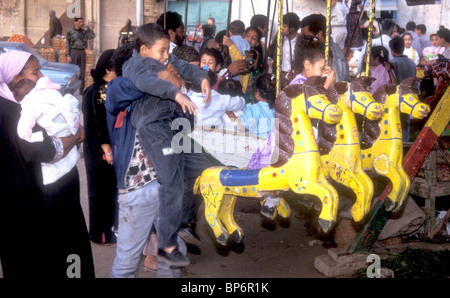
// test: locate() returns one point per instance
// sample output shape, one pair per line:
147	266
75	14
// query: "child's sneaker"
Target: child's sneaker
187	233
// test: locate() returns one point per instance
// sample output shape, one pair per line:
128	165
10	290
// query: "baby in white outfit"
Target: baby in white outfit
58	115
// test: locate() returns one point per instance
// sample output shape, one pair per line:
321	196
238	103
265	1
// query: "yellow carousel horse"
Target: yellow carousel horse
382	142
339	144
298	167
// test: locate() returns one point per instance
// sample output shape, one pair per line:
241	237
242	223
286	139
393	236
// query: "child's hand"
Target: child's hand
238	67
185	103
227	41
206	90
22	88
331	77
81	134
166	75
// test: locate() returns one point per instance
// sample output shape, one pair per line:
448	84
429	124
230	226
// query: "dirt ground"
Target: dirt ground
270	249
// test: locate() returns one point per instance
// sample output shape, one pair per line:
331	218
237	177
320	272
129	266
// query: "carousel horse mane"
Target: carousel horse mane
371	128
327	132
283	111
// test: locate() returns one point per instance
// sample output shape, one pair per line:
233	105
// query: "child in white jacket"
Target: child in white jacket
58	115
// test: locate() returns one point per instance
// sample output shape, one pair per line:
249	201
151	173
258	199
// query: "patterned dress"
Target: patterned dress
353	40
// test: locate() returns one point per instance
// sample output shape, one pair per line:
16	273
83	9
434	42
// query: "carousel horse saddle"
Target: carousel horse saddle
242	177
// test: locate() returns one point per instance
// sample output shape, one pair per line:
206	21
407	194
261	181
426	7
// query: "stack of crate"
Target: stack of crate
59	44
48	53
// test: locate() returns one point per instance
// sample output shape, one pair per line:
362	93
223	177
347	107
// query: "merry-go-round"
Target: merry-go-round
358	139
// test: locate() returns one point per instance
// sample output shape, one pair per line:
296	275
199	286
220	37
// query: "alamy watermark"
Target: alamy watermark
222	138
74	269
374	269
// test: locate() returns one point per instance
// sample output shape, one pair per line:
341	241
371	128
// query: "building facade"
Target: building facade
107	17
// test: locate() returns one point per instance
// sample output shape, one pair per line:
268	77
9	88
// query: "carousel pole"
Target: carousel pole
165	12
186	2
230	4
266	45
279	45
369	38
327	35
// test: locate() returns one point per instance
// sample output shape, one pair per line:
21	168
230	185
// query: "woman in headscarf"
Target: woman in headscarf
98	156
40	226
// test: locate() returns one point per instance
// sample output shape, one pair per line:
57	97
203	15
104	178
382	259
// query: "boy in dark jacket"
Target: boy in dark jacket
152	117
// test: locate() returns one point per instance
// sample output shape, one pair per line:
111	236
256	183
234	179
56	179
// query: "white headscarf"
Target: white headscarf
11	64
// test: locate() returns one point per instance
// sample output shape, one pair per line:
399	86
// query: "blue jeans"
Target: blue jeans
194	165
176	175
138	211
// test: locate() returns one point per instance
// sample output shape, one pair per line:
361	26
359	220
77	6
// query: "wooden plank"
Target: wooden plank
412	162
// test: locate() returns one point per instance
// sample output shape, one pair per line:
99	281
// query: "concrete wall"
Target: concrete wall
113	16
430	15
12	19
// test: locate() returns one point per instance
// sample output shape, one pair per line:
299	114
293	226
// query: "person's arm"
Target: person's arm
108	155
188	71
234	51
89	33
194	74
52	29
100	127
68	44
331	77
388	67
73	140
145	77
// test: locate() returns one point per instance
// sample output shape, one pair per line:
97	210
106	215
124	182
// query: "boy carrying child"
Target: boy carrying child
152	116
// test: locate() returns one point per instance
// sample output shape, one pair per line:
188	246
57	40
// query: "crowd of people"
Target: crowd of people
145	93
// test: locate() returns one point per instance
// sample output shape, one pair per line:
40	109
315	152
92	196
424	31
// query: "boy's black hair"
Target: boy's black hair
410	26
316	23
422	28
208	30
212	77
387	26
186	53
307	48
400	30
220	35
256	30
380	52
237	27
265	84
291	19
121	55
258	20
444	33
213	53
230	87
77	18
173	20
148	34
103	64
397	45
